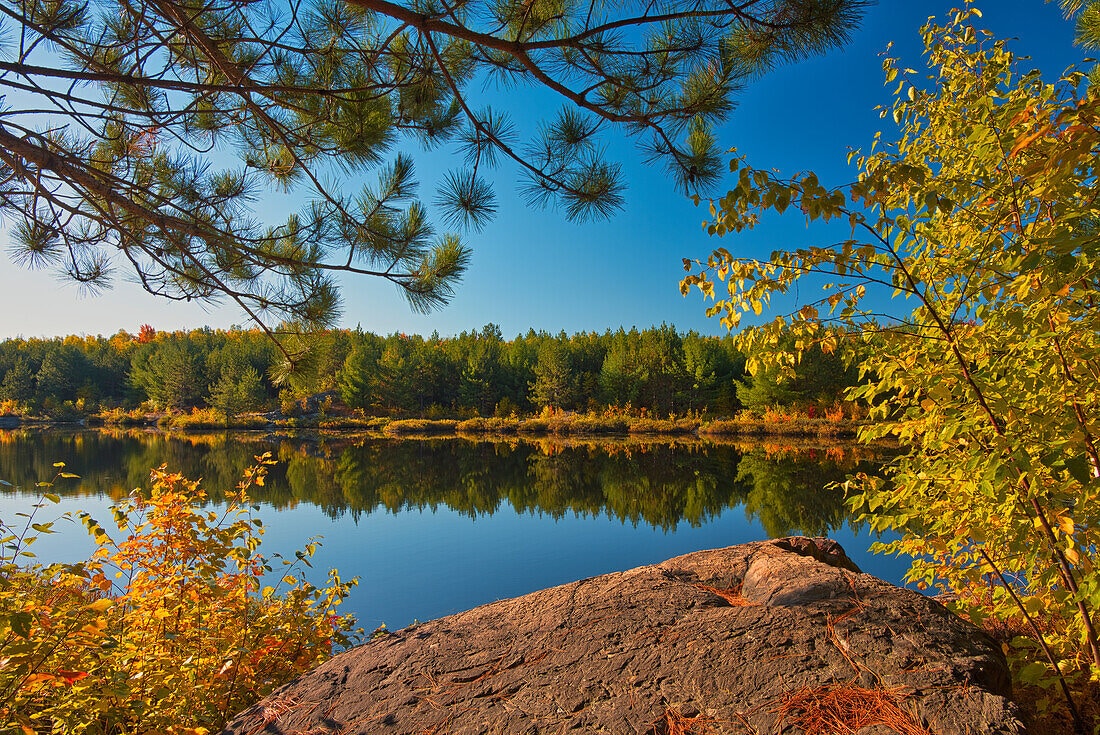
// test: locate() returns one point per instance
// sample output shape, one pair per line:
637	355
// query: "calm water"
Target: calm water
436	526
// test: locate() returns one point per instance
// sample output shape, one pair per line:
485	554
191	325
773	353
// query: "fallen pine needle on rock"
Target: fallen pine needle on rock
844	710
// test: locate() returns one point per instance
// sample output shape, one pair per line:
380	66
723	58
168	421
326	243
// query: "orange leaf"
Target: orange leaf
71	677
1020	117
1027	140
37	679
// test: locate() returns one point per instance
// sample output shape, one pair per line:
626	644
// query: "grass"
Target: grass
122	417
209	418
670	426
748	425
588	424
401	427
493	425
840	421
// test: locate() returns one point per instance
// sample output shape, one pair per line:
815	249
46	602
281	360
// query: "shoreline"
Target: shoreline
579	425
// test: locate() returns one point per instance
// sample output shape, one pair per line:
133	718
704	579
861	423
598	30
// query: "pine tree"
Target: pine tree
139	135
1087	16
553	381
18	382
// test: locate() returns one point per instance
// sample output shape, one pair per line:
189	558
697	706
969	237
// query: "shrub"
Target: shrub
663	426
10	407
118	416
168	628
591	424
199	418
63	411
495	425
536	425
722	427
419	426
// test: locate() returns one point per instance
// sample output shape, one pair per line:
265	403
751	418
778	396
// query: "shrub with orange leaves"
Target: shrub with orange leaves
169	627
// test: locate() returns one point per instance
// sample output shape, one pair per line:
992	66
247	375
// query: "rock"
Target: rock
756	638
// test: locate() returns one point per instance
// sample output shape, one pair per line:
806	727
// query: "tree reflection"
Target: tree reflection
793	491
658	484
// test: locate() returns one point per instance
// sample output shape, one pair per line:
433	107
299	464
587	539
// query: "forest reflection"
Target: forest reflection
787	487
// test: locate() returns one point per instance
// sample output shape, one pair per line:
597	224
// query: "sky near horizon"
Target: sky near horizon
532	269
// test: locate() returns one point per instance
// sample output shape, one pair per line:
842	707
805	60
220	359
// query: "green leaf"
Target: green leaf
1033	673
20	623
1080	468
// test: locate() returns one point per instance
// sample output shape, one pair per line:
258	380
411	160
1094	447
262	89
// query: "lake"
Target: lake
435	526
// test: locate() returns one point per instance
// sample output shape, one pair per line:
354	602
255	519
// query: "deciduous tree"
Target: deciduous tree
983	215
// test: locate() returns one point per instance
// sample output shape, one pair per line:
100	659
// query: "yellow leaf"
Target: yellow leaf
101	605
1066	524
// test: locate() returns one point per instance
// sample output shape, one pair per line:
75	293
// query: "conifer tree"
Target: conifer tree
138	136
1086	14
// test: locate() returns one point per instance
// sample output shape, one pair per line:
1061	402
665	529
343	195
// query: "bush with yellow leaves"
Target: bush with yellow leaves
167	628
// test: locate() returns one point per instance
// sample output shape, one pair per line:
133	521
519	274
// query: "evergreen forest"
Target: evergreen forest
655	371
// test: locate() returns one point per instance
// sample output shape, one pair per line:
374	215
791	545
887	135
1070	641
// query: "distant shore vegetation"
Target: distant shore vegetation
650	381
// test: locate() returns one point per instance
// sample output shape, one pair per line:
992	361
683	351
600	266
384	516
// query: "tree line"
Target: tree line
657	370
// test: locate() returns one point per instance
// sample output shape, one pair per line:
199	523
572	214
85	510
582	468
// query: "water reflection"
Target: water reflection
658	484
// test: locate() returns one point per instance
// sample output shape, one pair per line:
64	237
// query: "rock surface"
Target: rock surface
759	638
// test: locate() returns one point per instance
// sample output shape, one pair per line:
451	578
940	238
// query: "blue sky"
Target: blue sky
533	269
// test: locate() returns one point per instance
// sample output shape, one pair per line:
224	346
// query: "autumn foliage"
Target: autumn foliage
981	222
172	626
